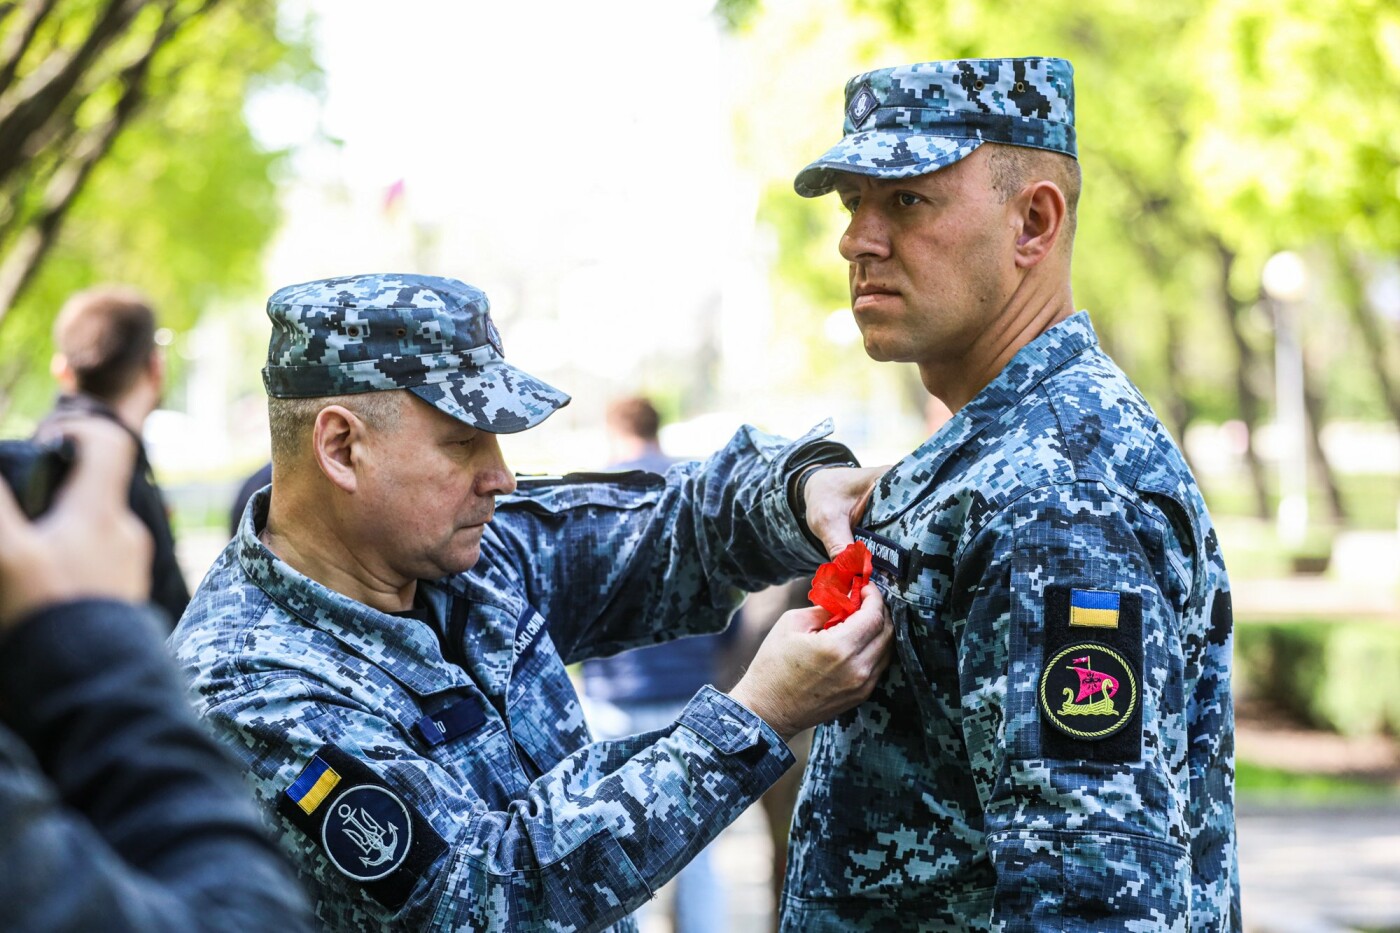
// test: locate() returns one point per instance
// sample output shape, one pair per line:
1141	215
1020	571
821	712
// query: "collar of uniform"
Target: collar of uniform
499	630
909	479
405	649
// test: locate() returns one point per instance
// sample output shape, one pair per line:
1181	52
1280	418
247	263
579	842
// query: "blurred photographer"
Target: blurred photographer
116	811
107	365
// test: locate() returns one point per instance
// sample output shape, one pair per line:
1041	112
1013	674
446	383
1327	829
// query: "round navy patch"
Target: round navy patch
367	832
1088	691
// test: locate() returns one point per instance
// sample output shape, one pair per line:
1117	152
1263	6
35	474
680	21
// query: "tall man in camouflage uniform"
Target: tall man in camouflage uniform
391	667
1052	748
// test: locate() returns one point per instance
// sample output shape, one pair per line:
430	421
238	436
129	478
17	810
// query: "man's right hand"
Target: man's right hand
88	544
803	674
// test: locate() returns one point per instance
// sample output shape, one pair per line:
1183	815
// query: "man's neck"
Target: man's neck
1034	308
306	540
132	410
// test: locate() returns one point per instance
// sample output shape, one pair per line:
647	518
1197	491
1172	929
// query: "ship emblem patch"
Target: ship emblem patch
1088	691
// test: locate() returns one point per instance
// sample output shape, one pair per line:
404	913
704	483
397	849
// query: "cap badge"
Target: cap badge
494	337
863	104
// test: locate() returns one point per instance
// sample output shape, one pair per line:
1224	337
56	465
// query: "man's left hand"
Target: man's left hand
836	498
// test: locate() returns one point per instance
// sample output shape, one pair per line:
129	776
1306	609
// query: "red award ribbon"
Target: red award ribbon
837	584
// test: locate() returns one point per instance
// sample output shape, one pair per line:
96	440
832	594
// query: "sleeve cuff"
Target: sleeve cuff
736	731
779	508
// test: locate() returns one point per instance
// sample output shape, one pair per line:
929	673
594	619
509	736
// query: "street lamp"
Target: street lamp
1285	280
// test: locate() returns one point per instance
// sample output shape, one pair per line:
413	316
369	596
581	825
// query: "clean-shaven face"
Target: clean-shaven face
428	489
931	259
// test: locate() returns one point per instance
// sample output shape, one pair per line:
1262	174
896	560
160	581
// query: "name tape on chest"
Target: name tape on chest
886	555
526	635
367	830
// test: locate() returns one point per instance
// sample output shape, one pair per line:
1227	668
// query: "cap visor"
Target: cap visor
499	399
883	154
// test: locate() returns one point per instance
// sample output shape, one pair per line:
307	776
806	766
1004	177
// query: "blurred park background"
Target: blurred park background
617	176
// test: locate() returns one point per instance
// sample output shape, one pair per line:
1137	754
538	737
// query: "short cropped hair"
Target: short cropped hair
1014	167
634	417
108	335
290	419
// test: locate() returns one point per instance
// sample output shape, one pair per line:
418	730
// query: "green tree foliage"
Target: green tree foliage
1212	134
141	169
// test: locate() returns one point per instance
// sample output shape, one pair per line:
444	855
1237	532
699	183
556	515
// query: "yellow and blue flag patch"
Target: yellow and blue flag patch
1093	608
316	782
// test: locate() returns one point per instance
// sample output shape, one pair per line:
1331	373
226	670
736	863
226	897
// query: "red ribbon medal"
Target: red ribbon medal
837	584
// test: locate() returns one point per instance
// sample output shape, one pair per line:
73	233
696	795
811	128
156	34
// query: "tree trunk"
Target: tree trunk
1350	276
1179	413
1179	409
1322	466
24	255
17	43
1233	309
24	109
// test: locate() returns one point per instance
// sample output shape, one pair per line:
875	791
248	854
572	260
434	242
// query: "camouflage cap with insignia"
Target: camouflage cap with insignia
915	119
430	335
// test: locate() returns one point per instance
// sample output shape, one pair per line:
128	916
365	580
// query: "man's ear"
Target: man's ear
63	373
337	440
1041	212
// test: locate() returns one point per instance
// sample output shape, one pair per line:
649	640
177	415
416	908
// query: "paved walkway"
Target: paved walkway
1320	871
1303	871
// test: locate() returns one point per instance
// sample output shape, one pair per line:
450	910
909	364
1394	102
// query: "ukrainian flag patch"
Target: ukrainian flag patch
316	782
1093	608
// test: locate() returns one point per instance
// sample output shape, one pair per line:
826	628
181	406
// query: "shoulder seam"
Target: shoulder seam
1116	490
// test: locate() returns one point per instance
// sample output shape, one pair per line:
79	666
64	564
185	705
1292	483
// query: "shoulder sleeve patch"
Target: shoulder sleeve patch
1090	686
366	828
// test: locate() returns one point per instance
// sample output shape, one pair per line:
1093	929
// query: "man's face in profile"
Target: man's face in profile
428	489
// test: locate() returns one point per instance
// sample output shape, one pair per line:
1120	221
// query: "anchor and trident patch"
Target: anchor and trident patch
367	830
367	833
1089	688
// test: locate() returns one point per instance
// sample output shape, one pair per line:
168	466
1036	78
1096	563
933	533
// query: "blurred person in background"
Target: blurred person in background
117	812
755	619
647	688
262	477
384	642
1053	746
107	365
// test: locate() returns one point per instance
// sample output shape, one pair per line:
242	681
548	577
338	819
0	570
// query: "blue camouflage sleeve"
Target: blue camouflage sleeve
615	565
589	842
1066	609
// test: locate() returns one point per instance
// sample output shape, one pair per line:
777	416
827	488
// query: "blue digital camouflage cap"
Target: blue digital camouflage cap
430	335
915	119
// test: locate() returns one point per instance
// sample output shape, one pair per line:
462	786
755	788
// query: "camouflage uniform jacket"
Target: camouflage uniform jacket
1050	529
472	733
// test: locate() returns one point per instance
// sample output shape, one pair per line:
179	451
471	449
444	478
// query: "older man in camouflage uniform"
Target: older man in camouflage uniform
1052	748
391	667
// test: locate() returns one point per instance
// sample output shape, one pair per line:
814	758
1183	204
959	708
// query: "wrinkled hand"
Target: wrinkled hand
803	675
88	544
836	498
